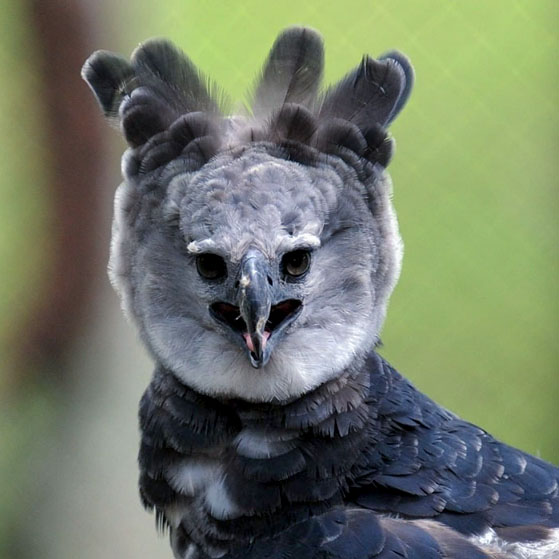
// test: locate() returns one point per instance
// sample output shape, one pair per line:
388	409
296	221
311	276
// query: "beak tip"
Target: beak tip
258	363
256	344
255	362
259	359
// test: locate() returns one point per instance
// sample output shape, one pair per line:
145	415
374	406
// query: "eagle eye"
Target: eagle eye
296	263
211	266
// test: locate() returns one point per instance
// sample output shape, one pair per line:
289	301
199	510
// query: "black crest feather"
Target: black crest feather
108	75
336	132
409	79
291	73
150	92
293	122
172	76
370	94
160	85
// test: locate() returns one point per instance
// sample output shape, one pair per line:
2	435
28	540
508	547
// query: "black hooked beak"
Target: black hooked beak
255	303
258	321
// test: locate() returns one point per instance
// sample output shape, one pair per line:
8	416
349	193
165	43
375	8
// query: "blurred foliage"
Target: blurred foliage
474	319
25	429
24	212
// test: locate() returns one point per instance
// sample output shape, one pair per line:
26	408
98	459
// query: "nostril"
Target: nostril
270	280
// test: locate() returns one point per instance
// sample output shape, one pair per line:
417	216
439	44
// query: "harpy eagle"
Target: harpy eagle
256	254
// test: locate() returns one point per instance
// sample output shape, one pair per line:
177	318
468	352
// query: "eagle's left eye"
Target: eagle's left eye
211	266
296	263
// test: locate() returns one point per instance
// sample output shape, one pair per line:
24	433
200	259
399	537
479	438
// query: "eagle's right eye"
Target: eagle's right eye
211	266
296	263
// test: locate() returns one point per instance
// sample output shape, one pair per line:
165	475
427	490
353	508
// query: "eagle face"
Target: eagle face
256	276
257	252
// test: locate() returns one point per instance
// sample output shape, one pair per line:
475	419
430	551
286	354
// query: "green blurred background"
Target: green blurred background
473	322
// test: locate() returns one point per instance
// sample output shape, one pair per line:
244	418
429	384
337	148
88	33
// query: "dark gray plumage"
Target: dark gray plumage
291	74
257	255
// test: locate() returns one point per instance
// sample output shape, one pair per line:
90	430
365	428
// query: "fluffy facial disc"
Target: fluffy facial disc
254	199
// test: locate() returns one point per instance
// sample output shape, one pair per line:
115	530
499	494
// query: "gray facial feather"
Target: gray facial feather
254	199
233	195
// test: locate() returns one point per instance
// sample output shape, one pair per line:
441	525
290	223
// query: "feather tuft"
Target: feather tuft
380	146
368	95
335	133
407	69
291	73
293	122
109	76
152	91
172	76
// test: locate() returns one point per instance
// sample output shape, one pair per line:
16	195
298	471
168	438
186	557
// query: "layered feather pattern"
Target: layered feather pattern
161	84
316	477
149	93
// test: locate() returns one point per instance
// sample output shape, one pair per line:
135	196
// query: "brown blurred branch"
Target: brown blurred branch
74	150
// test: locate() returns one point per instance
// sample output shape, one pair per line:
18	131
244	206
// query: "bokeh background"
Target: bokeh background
473	322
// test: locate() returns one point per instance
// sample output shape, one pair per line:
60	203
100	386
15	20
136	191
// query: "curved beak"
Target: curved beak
262	314
255	303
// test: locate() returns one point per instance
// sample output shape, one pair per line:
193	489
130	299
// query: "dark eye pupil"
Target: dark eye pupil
211	266
296	263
